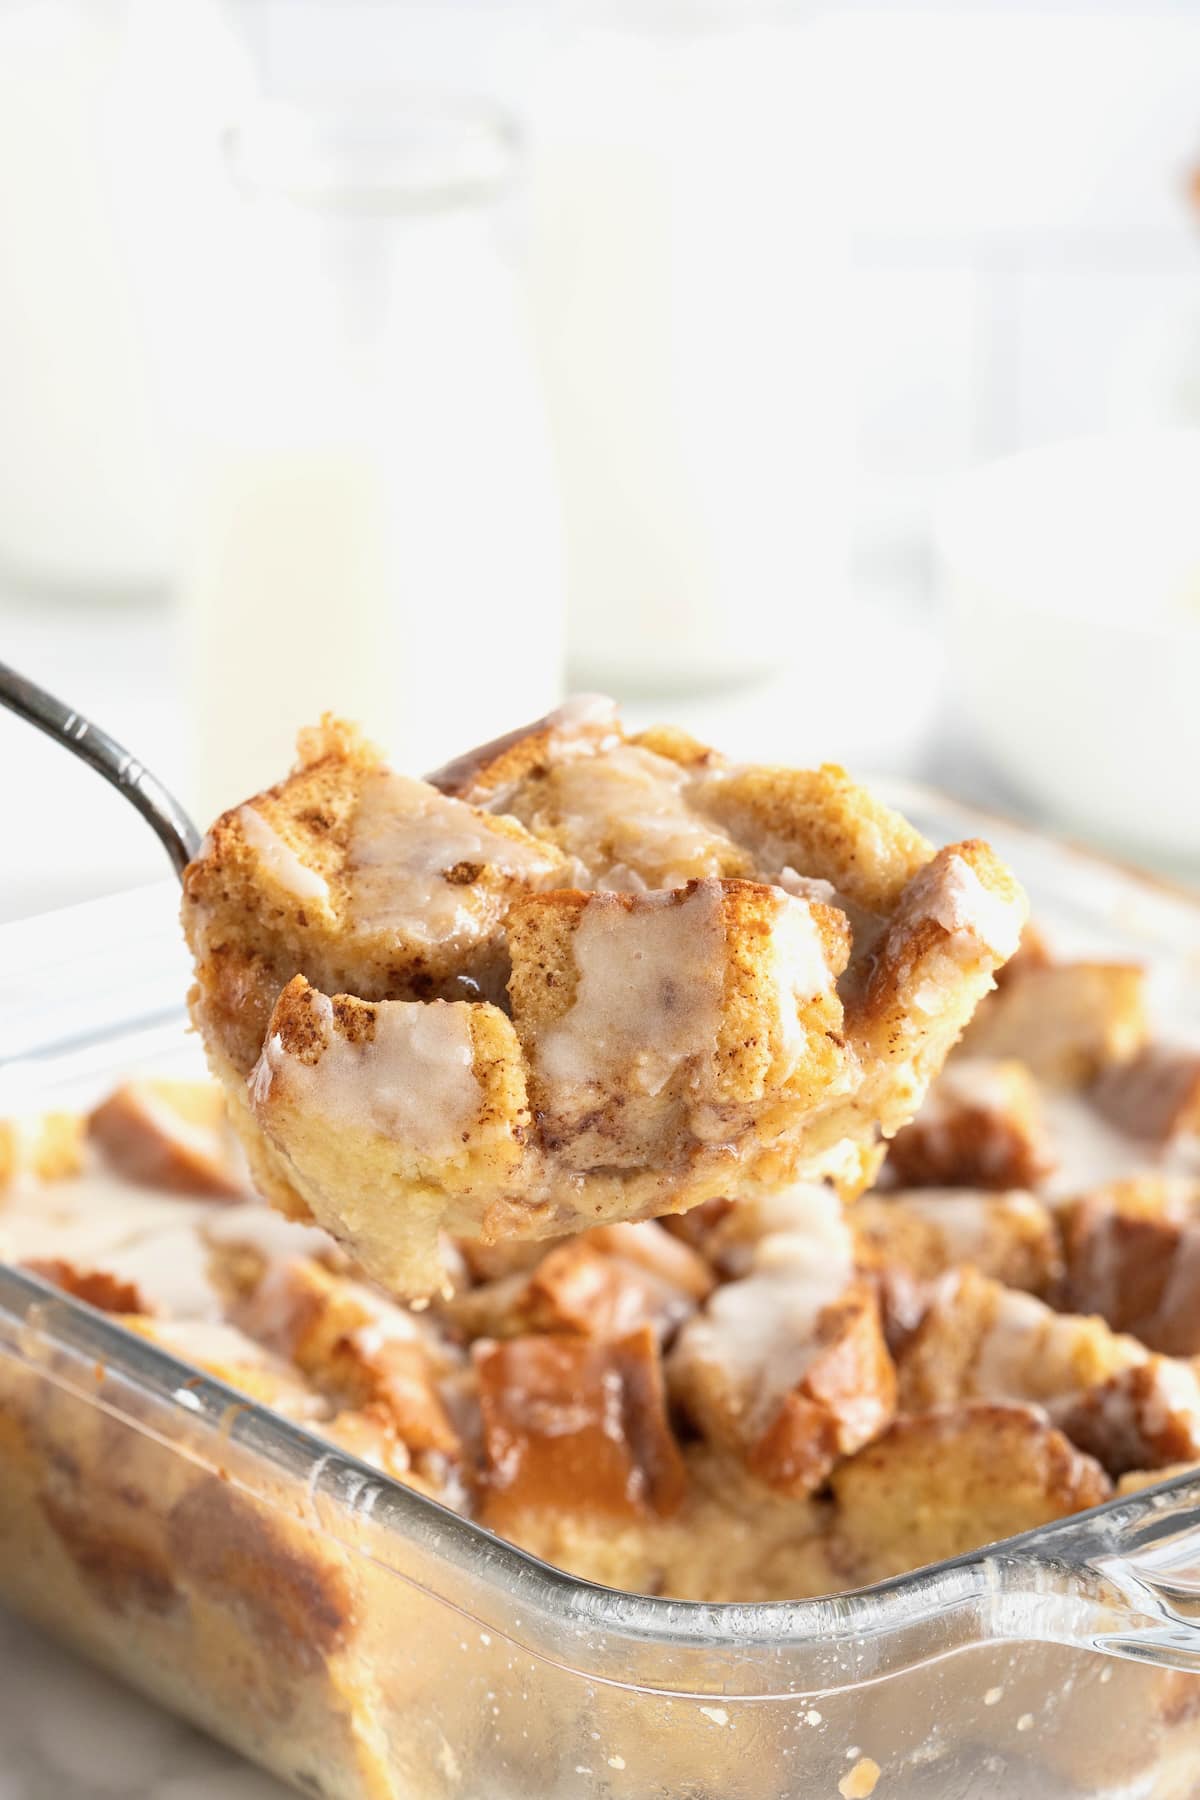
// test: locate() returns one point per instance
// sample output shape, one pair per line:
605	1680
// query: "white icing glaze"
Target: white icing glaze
961	902
1088	1151
1030	1353
584	712
280	858
800	972
649	990
260	1228
99	1223
170	1269
406	838
967	1221
625	812
806	887
226	1351
412	1082
759	1333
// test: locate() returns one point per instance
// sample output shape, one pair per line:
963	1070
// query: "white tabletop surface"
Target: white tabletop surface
68	1732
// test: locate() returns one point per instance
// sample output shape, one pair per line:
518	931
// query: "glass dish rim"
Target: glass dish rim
1071	1544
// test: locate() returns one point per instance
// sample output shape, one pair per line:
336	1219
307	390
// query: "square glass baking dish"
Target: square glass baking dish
359	1640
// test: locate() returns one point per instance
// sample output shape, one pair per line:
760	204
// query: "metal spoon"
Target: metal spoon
160	809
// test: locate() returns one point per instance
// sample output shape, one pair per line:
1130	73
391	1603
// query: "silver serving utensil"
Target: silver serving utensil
160	809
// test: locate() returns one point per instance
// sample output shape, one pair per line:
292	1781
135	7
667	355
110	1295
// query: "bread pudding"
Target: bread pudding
578	978
763	1397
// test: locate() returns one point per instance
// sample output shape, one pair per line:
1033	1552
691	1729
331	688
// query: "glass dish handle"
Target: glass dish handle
1125	1582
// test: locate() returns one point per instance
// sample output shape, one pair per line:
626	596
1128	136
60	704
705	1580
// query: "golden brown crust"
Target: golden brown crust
845	1398
787	1369
1155	1096
576	1425
49	1148
825	826
1132	1254
354	1348
942	1483
1010	1237
982	1341
979	1127
1144	1417
603	1283
169	1134
259	909
96	1287
1067	1021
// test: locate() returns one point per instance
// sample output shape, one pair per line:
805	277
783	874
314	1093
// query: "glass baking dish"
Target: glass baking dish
361	1641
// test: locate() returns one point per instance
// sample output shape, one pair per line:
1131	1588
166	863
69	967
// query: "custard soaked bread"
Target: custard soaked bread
578	977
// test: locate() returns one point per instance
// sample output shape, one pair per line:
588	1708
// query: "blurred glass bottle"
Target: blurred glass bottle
105	107
690	287
370	524
1156	377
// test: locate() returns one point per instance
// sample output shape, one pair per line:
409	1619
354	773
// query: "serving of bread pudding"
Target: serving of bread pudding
579	978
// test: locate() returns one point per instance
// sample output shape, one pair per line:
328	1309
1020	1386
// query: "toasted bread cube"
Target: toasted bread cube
622	810
1033	952
1155	1096
355	1347
978	1127
823	825
390	1117
957	921
236	1359
661	809
170	1135
48	1147
579	1287
787	1367
1127	1406
357	878
652	1019
604	1283
492	773
1136	1479
1010	1237
1144	1417
982	1341
846	1395
571	1424
1066	1021
942	1483
96	1287
1132	1254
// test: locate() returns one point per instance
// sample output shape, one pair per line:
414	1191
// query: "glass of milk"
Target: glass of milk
690	278
370	524
105	109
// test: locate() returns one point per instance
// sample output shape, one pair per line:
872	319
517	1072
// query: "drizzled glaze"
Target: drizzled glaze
762	1330
800	969
413	1081
627	814
649	992
415	853
961	902
280	858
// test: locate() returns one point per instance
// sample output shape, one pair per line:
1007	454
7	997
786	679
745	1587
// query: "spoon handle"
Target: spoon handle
91	745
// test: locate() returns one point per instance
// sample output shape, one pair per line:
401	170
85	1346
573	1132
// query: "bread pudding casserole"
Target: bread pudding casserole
776	1397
